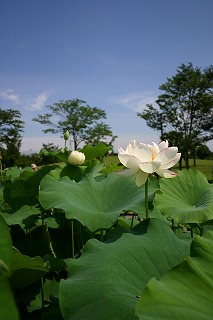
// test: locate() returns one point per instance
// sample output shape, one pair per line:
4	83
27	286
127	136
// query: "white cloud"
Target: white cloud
39	102
135	101
10	95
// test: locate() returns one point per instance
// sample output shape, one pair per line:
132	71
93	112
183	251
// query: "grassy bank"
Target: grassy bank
204	166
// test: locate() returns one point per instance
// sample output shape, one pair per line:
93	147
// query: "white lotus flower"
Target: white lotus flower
76	158
142	159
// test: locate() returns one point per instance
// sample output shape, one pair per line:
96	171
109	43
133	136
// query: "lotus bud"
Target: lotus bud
76	158
66	135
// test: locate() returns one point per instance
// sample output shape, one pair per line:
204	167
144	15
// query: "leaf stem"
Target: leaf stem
132	220
102	235
1	169
146	199
42	293
49	241
73	245
173	225
191	231
81	235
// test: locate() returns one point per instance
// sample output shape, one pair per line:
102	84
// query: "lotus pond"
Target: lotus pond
82	242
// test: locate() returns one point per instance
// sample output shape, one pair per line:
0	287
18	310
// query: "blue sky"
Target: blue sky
114	54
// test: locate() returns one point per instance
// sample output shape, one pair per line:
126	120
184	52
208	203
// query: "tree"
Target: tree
47	159
184	111
203	152
98	133
11	127
79	119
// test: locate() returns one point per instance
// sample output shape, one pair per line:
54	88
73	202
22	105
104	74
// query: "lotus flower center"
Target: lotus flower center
153	157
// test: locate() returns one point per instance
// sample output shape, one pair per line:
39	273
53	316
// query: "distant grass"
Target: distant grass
205	166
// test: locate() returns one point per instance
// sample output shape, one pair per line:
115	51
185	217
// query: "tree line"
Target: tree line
183	115
84	124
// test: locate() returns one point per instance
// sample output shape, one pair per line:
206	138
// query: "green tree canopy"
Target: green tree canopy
203	152
184	110
81	120
11	128
97	134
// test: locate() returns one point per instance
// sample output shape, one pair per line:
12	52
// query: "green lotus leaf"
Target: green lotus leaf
25	216
5	247
73	172
55	264
76	173
26	270
95	152
23	190
186	291
108	279
187	198
61	154
8	309
14	172
94	167
56	173
50	310
96	204
112	167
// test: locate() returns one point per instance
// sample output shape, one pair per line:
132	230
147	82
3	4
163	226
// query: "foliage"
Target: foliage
75	244
122	268
89	203
79	119
98	133
184	111
192	281
177	201
8	308
91	152
11	128
46	158
203	152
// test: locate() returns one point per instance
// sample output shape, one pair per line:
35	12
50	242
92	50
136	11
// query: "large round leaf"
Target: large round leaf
187	198
186	291
8	309
26	270
24	189
95	152
96	204
108	279
5	246
25	216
